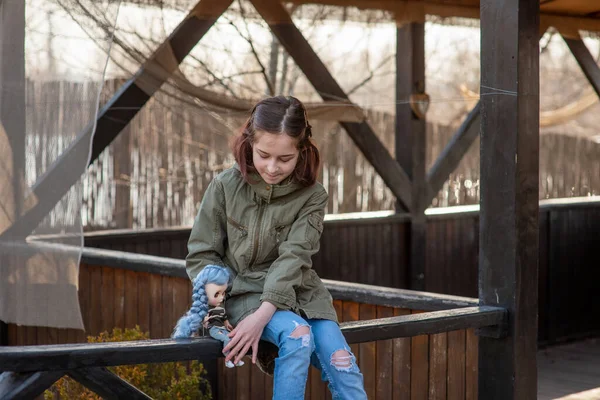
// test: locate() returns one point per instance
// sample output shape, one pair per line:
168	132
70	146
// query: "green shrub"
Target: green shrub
160	381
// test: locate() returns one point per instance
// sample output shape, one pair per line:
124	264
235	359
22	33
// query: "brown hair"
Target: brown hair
279	115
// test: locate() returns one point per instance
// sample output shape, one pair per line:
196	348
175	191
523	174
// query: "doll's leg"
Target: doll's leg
221	334
336	362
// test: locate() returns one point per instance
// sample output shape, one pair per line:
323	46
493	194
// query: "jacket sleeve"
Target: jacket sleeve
209	233
285	274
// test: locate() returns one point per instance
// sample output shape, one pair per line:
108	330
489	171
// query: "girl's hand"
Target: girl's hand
247	334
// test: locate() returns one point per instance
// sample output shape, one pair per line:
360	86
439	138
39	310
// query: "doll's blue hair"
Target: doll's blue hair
192	320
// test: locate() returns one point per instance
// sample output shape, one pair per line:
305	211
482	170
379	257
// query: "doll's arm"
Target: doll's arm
228	325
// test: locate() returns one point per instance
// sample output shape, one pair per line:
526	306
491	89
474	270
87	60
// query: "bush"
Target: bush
160	381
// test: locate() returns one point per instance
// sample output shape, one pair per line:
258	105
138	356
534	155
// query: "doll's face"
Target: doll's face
215	293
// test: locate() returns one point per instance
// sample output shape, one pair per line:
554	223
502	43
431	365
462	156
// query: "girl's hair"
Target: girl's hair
192	320
279	115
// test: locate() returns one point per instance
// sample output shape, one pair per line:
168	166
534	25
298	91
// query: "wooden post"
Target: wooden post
508	259
410	138
12	99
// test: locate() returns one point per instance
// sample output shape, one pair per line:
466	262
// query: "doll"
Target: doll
207	307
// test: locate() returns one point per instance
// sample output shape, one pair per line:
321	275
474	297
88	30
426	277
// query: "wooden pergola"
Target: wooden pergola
506	117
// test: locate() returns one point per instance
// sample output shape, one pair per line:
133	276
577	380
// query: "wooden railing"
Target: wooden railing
373	249
408	342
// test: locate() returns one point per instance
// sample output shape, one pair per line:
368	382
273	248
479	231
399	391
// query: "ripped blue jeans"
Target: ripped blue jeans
321	345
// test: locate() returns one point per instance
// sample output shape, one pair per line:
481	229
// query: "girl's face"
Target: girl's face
274	156
215	293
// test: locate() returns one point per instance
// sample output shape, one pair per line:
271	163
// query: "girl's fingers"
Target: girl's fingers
242	353
254	352
232	333
231	343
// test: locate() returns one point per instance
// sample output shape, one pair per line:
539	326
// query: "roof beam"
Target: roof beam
288	34
413	11
117	114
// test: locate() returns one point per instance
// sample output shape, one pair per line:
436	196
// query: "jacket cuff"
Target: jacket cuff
281	301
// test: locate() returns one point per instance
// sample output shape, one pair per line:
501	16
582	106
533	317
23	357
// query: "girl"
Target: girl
263	219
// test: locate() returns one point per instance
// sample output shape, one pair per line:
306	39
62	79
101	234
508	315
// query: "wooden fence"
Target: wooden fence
154	174
119	293
374	251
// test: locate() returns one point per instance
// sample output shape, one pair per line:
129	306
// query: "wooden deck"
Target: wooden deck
570	371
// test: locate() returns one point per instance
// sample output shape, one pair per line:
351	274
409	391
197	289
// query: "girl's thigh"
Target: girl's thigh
281	326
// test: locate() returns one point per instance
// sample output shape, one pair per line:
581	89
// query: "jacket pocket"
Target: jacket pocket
314	228
277	235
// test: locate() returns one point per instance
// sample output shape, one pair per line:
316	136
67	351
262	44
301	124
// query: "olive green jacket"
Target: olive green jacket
266	235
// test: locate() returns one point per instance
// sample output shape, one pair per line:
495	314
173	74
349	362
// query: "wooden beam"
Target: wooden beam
326	86
28	385
586	61
423	324
73	356
508	258
117	114
415	11
410	132
107	384
454	151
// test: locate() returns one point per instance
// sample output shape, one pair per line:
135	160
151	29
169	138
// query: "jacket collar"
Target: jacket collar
269	192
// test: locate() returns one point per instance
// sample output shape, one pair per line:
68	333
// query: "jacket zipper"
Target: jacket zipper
257	234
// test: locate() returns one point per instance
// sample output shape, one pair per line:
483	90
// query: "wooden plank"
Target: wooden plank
119	298
156	319
107	298
15	386
350	314
368	354
419	371
453	153
456	365
242	382
281	24
131	300
472	366
106	384
438	366
508	258
143	301
95	304
384	357
402	363
117	113
169	319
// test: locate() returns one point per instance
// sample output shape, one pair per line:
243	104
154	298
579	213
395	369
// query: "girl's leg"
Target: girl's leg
292	335
337	364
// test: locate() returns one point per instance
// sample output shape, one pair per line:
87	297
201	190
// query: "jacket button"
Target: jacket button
268	187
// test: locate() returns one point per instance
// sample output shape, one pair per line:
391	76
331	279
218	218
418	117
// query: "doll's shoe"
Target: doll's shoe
239	364
229	364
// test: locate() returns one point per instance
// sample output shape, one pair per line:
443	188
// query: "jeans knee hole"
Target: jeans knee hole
301	332
342	360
